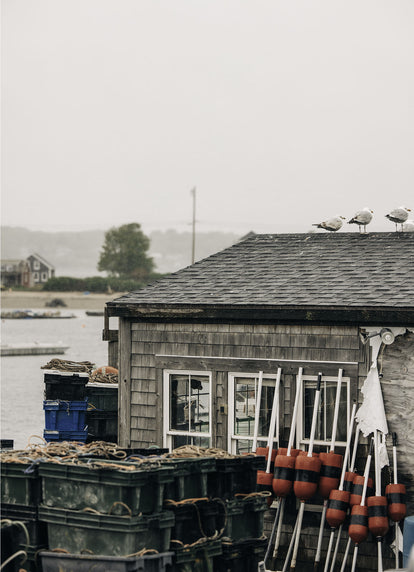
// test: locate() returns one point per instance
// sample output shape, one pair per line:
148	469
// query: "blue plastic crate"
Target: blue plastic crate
65	415
65	435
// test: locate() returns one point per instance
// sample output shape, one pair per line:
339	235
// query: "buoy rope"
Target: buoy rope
67	365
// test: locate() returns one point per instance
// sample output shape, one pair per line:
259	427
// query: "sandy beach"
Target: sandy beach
73	300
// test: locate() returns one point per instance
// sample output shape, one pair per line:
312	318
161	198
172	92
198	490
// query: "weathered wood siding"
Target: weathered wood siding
150	341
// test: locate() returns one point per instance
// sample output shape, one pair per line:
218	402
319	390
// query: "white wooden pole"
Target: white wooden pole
295	411
273	418
257	412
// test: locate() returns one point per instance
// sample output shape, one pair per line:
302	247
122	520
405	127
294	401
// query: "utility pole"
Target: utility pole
193	192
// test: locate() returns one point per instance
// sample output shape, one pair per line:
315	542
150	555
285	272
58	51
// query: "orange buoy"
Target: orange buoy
330	473
338	504
283	475
105	369
357	486
348	480
358	526
303	453
306	476
284	450
396	495
264	481
377	515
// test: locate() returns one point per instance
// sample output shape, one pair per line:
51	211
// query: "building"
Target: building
191	345
27	273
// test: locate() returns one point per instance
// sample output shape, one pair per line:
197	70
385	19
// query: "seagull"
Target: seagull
399	215
362	218
333	224
408	226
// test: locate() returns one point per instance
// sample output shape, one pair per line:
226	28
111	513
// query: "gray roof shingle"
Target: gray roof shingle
292	270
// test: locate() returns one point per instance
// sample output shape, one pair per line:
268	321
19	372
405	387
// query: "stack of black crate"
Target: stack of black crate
65	406
102	413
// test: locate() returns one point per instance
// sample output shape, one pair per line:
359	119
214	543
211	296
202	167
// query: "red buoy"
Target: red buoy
306	476
293	452
284	475
264	481
338	504
377	515
348	480
357	486
330	473
396	495
358	526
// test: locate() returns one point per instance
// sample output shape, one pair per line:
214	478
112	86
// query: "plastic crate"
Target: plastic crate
198	558
54	562
20	484
93	485
102	396
65	435
102	425
65	415
196	519
65	385
29	516
245	518
243	556
245	479
191	476
111	535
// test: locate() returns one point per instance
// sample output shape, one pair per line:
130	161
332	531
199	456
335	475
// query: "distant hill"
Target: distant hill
77	253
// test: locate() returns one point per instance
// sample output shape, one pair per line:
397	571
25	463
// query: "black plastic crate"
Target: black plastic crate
245	479
245	517
102	425
196	519
65	385
20	484
102	396
243	556
196	558
190	477
36	529
58	562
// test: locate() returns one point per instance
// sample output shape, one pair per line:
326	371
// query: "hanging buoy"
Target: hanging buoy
396	498
284	450
307	471
357	486
338	504
358	526
264	481
377	515
348	480
331	464
283	475
303	453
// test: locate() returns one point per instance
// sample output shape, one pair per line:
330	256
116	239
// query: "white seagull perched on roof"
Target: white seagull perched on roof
362	218
399	215
333	224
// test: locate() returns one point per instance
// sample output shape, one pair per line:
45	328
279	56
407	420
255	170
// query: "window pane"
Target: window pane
199	403
326	410
180	440
179	393
245	405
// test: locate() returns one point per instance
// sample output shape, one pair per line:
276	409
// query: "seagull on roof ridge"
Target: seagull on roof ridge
362	218
332	224
398	216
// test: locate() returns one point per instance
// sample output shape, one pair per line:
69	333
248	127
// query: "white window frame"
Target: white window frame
232	438
36	276
44	276
300	440
36	265
168	433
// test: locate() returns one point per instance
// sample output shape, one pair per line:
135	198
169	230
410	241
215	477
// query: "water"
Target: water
22	384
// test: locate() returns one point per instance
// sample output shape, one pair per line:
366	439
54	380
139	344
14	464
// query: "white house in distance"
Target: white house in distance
29	272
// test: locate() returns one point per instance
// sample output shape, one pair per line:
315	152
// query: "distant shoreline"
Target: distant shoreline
73	300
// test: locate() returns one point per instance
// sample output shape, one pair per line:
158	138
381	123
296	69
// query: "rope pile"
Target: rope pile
194	451
99	377
67	365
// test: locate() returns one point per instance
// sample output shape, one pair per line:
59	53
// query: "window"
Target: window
187	408
323	434
242	405
44	276
36	276
36	265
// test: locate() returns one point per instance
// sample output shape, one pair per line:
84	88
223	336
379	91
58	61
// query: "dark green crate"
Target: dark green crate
191	476
90	485
102	397
58	562
102	425
196	558
245	518
112	535
18	486
243	556
28	515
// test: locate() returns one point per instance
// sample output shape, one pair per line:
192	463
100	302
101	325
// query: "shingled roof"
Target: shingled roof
316	276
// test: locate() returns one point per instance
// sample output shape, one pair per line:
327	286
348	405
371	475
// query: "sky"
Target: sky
280	113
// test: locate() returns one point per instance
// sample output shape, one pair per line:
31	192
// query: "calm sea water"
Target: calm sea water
22	383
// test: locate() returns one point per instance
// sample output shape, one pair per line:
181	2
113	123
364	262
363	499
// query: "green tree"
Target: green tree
124	253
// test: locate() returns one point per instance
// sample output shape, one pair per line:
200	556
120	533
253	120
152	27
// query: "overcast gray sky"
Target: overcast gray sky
280	113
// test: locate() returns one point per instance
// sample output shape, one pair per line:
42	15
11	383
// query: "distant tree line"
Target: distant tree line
96	284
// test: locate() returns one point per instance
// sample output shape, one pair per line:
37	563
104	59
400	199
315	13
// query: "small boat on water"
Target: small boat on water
32	349
94	313
31	314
